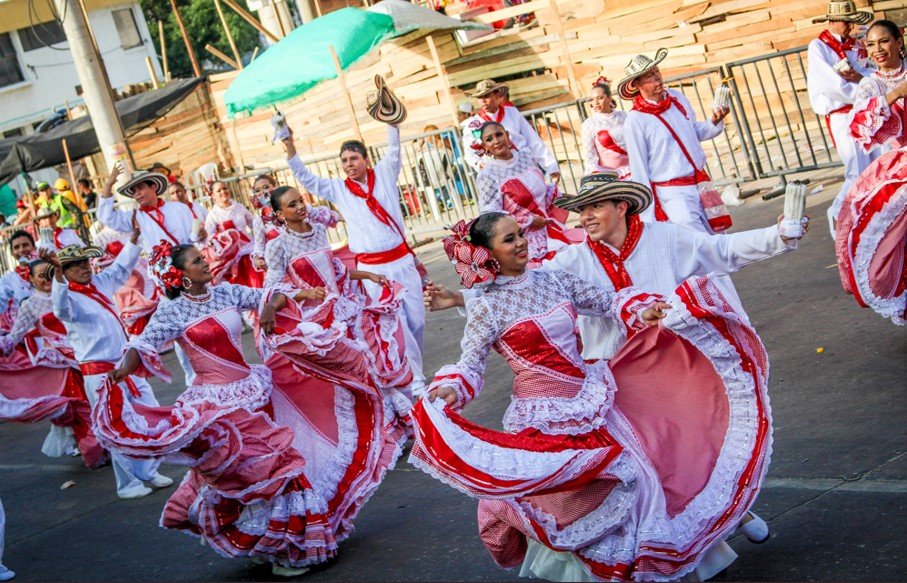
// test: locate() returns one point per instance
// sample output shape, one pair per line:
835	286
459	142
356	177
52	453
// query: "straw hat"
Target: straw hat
845	11
156	180
639	66
383	105
75	254
486	86
44	212
607	186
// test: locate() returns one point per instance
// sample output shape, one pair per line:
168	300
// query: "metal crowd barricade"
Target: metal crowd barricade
782	133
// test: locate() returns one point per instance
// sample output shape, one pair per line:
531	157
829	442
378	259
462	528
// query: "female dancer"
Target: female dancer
48	383
512	182
588	482
603	134
301	257
229	248
251	491
871	233
264	224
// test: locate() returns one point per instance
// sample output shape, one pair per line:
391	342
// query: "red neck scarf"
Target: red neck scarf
188	204
498	116
90	291
373	205
614	264
57	231
645	106
157	215
837	46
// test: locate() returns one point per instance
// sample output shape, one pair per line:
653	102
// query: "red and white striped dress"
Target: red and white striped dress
629	469
871	234
40	380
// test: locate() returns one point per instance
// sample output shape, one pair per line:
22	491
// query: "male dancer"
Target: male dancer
663	142
83	303
369	201
833	73
158	219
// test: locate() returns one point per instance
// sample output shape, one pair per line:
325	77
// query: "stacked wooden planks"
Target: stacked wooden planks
601	37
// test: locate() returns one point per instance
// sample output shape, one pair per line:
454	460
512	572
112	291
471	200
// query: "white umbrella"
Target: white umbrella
408	17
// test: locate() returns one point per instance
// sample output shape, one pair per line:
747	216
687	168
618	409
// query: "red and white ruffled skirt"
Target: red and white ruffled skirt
662	479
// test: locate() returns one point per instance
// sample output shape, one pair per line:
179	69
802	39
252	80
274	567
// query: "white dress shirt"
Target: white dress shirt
827	90
93	332
366	233
177	219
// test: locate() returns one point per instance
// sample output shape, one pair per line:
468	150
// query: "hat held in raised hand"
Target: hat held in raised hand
844	11
383	105
636	68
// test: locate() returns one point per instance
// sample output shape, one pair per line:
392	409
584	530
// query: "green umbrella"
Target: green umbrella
302	59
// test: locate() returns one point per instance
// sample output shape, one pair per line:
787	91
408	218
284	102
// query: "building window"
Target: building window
10	73
127	28
41	35
13	133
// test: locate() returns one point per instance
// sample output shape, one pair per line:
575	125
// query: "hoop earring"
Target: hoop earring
186	282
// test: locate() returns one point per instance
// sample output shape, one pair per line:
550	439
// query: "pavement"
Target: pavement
835	496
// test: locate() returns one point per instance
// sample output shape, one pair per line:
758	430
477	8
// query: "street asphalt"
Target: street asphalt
835	496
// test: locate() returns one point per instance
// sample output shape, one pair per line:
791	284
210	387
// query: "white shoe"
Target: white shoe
6	574
137	491
755	530
287	571
160	481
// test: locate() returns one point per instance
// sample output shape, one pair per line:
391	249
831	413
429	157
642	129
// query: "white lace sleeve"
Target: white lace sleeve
323	215
589	299
490	198
244	298
165	325
277	261
26	318
871	121
467	377
258	236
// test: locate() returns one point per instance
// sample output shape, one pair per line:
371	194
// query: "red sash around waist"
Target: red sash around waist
94	367
381	257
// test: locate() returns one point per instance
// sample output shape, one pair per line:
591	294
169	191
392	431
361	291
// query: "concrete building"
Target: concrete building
37	74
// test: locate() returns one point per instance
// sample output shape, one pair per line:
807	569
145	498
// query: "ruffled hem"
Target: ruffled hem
577	415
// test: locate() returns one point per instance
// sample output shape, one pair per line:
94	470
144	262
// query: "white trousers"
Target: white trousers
683	207
129	471
854	158
403	271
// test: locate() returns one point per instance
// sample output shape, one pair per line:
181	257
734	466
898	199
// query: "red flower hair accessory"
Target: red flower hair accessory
602	80
166	275
474	264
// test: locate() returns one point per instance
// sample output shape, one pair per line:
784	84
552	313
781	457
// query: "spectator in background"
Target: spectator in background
435	164
89	196
53	236
465	111
178	193
68	205
161	169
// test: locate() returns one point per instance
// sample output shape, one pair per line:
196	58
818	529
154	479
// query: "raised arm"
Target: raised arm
114	277
321	187
324	215
118	220
391	162
706	129
460	383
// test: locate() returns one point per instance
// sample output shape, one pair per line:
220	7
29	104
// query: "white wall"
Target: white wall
50	76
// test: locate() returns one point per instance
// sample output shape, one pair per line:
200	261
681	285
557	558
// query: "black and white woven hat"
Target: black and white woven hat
156	180
844	11
607	186
383	105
